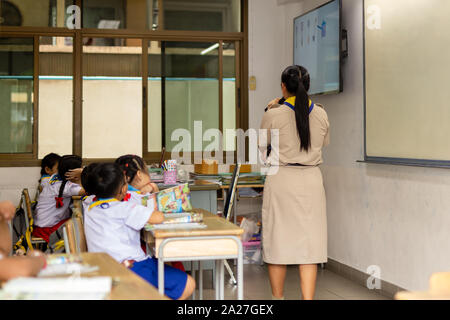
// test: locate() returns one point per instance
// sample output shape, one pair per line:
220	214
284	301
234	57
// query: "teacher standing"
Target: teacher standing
294	204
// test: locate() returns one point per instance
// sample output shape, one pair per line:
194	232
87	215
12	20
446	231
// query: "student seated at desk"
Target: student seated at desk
52	209
89	194
113	226
138	178
49	166
13	267
139	185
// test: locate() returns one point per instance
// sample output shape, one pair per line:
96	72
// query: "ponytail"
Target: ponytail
302	117
66	164
297	84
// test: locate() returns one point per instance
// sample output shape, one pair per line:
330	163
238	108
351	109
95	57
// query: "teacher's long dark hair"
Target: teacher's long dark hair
296	79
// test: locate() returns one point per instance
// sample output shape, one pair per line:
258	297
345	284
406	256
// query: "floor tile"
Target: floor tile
330	286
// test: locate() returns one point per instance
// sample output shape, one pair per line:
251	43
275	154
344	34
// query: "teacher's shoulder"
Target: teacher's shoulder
320	113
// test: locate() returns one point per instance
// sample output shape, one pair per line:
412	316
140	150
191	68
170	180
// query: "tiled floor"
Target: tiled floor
330	286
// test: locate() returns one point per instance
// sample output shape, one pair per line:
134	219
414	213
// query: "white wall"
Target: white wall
391	216
270	50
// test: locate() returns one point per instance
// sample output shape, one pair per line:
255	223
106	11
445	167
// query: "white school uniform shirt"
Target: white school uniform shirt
86	202
114	227
44	180
135	196
47	215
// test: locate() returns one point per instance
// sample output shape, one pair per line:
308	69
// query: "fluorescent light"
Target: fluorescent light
214	46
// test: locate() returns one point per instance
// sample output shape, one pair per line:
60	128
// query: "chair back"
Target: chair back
80	236
26	204
231	192
69	237
74	237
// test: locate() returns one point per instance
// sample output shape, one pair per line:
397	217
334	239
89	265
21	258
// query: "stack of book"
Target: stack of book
244	178
212	178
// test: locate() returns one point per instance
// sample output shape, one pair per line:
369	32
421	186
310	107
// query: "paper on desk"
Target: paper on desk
66	269
58	288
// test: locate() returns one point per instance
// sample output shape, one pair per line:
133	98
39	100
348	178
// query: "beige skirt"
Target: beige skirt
294	221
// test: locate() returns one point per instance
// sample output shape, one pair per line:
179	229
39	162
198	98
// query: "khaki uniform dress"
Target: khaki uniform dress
294	205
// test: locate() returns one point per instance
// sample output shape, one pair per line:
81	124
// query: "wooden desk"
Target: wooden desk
220	240
439	289
405	295
129	285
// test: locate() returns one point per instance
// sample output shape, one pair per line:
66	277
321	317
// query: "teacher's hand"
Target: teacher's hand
273	103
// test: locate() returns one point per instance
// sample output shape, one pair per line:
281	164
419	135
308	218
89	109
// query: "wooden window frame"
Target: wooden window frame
241	48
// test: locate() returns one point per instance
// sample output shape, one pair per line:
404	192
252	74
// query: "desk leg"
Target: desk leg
160	275
194	277
216	280
222	276
200	280
240	274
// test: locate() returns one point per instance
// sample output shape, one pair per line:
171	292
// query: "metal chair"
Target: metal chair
228	207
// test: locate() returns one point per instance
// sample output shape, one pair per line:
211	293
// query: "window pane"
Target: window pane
229	93
202	15
191	88
154	116
117	14
55	96
34	13
16	95
112	94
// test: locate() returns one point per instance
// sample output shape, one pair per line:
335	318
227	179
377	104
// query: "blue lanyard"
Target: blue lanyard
131	188
293	108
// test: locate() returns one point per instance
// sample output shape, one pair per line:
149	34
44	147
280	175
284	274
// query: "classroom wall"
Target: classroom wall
391	216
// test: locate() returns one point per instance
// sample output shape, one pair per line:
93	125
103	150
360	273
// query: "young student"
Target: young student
138	178
139	185
89	196
52	209
13	267
49	166
113	226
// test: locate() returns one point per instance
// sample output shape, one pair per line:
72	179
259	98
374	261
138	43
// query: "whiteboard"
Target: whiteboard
407	80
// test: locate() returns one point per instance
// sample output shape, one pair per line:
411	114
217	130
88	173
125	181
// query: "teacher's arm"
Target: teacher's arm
326	140
264	137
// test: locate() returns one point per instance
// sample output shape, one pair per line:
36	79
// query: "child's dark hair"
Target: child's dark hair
85	175
130	165
105	180
66	163
49	161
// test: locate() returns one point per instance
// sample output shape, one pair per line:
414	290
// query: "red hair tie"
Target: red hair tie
127	197
59	202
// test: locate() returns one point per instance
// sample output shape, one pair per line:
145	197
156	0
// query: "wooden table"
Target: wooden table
439	289
126	284
220	240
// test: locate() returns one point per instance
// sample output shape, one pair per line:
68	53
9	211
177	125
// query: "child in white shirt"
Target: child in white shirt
52	209
139	186
49	166
113	226
138	178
